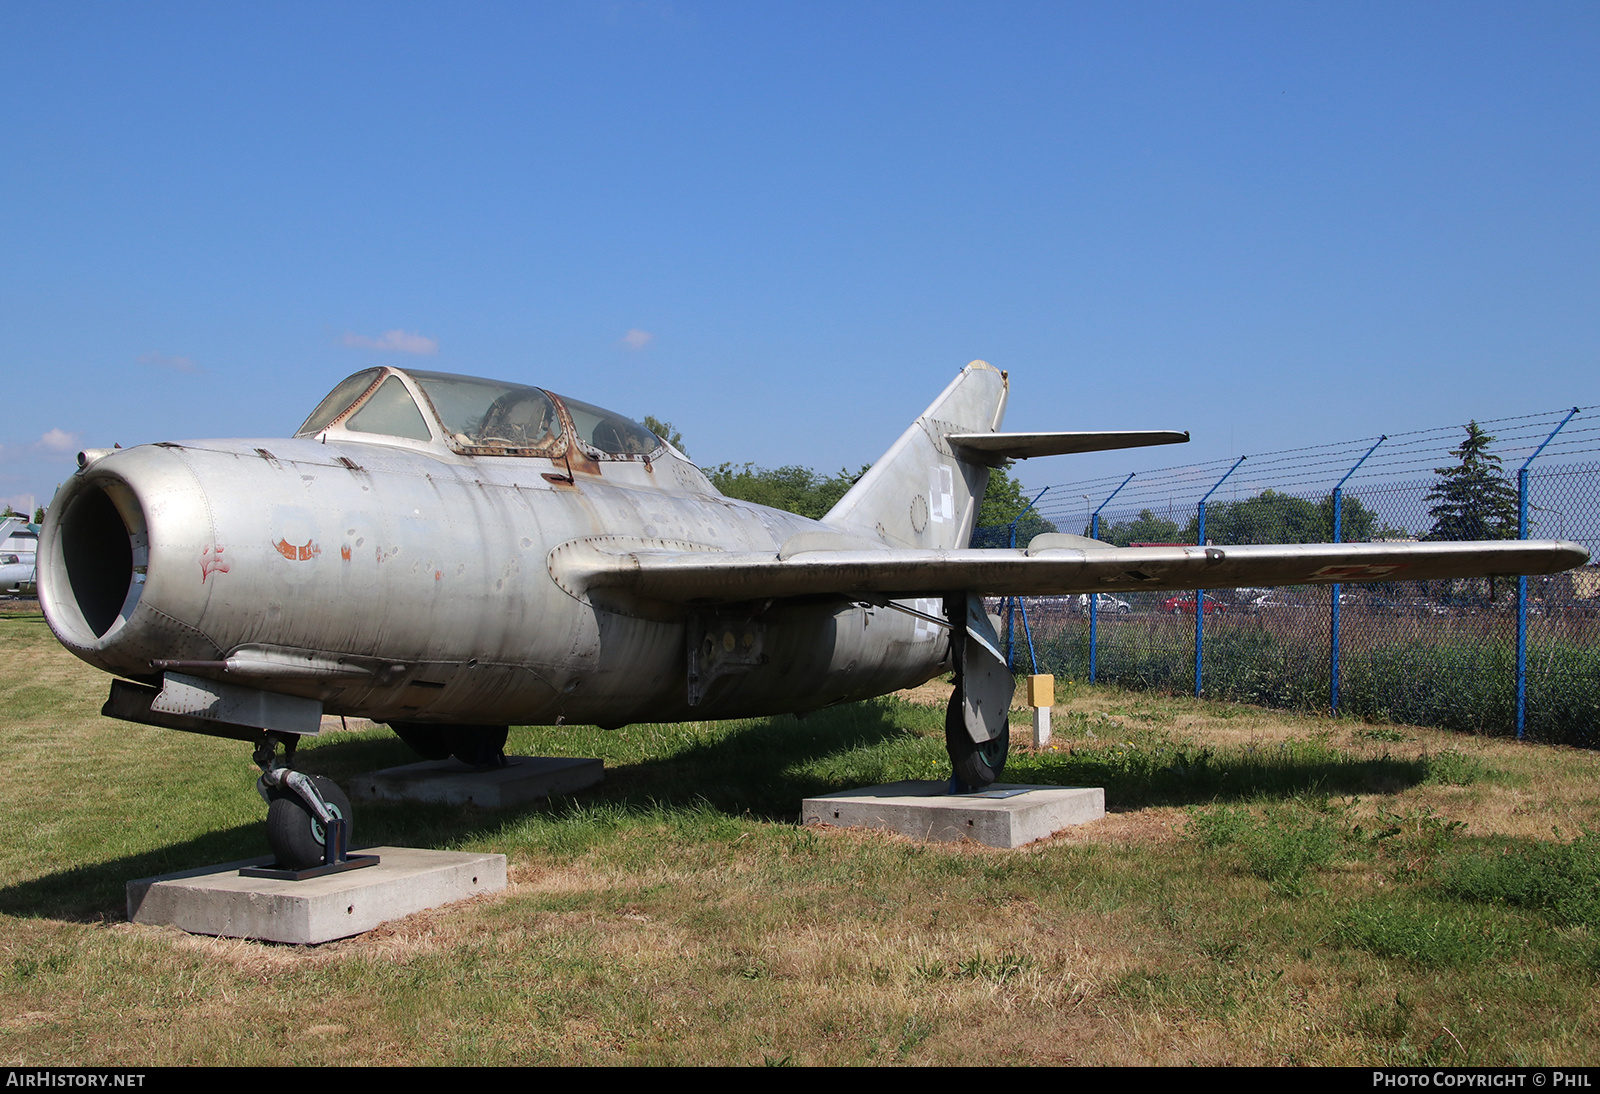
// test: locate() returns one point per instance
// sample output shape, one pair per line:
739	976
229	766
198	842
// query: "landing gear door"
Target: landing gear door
986	681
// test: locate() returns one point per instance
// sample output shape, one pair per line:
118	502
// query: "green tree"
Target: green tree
1271	517
1473	499
1146	528
804	491
1003	501
665	431
795	489
1358	523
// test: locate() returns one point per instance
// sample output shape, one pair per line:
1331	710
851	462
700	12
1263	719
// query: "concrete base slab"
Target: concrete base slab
1003	815
451	782
216	900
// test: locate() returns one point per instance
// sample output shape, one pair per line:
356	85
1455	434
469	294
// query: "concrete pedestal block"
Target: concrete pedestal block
451	782
216	900
1002	815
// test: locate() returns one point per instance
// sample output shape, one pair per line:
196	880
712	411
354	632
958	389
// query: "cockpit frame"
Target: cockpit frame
472	416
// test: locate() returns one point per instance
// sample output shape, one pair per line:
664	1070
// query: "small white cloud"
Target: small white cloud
174	364
637	339
394	341
58	440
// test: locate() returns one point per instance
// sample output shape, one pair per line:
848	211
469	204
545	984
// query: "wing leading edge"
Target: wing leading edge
683	576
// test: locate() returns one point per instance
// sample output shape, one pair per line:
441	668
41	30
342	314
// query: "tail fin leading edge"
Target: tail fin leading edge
922	493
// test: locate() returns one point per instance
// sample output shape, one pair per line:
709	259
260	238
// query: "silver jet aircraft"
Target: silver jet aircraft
16	565
452	555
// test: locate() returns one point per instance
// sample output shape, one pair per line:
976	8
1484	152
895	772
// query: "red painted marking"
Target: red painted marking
344	552
437	575
211	562
1337	573
300	553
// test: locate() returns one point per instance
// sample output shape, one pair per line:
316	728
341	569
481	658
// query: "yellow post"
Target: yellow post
1041	697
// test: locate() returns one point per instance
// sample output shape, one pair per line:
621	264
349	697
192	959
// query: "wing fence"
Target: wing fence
1502	656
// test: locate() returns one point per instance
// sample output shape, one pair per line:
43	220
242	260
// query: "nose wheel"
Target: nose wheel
309	819
297	836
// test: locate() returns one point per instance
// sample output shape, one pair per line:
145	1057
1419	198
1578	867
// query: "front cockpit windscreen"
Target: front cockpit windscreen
390	411
490	416
338	399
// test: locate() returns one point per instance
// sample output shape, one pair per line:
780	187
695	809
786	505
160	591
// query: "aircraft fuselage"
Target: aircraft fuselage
400	584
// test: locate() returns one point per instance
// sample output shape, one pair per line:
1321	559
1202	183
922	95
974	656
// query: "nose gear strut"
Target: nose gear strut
308	817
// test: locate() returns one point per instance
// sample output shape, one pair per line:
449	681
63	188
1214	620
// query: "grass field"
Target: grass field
1268	888
1452	673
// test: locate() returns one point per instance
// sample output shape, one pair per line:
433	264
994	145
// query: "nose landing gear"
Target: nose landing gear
309	819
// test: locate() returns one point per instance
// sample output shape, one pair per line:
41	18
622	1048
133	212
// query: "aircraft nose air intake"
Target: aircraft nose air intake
92	571
111	579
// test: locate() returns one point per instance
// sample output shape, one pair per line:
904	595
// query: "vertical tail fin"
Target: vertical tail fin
920	493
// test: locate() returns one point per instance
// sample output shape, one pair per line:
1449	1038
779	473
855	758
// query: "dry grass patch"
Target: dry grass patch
675	914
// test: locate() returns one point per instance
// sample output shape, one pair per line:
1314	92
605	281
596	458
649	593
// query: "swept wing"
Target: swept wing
683	576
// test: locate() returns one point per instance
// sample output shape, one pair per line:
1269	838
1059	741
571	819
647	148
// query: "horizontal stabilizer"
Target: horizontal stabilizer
991	448
722	577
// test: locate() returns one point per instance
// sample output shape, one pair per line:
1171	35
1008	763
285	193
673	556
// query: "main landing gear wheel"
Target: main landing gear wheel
475	746
294	833
479	746
975	765
425	740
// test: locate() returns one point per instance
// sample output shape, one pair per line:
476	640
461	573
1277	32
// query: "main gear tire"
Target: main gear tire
974	765
478	746
475	746
427	741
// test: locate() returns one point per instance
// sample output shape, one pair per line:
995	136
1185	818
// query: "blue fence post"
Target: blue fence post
1333	617
1199	600
1522	581
1522	606
1200	594
1094	607
1012	603
1011	619
1333	614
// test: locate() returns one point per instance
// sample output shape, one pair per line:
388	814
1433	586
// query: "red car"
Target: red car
1184	605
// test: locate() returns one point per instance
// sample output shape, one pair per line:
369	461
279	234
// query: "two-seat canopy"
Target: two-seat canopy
476	417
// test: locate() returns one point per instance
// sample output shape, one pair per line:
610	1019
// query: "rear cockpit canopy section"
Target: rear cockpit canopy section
476	417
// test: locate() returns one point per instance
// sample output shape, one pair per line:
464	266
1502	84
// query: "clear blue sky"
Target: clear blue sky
785	226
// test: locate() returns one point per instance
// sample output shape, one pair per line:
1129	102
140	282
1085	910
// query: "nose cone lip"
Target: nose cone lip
111	579
93	560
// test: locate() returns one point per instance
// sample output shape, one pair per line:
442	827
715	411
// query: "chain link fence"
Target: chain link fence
1506	656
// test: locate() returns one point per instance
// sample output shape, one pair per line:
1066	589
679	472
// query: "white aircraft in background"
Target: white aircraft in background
17	556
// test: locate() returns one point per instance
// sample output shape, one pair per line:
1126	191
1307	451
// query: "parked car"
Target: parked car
1184	605
1273	602
1103	602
